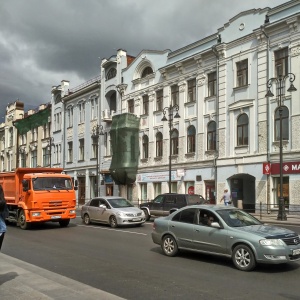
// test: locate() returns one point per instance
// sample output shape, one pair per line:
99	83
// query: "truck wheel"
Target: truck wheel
22	220
64	223
147	217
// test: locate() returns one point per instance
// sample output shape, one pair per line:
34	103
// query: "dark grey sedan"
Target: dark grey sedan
112	210
226	231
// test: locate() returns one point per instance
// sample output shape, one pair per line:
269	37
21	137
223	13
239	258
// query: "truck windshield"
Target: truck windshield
51	183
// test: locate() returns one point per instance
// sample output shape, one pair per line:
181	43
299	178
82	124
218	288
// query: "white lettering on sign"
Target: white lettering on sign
296	167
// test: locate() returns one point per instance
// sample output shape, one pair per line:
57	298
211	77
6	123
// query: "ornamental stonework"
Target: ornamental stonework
295	51
262	137
261	192
294	186
295	132
222	143
70	132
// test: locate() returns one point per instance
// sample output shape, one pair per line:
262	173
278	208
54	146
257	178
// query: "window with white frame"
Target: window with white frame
33	158
191	139
174	142
70	151
211	135
159	100
94	108
131	106
81	108
70	116
34	134
157	188
146	105
143	191
11	137
242	130
46	156
57	121
159	144
285	123
191	90
107	144
111	73
212	84
81	149
147	71
242	73
145	146
175	94
281	62
94	147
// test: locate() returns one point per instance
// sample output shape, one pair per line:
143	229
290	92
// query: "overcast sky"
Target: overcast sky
45	41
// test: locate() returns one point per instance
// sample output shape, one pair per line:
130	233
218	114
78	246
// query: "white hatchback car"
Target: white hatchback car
115	211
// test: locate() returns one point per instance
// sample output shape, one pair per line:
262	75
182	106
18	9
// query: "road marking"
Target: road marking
118	230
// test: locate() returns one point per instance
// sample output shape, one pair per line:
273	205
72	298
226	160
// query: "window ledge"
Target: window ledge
277	143
190	102
81	160
190	154
157	158
210	97
241	87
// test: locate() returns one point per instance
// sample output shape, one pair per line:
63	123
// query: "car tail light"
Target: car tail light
153	226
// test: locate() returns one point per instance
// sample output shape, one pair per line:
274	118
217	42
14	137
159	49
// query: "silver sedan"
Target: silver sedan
226	231
115	211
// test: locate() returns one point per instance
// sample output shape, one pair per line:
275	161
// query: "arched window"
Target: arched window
159	144
146	71
285	123
174	142
242	130
145	141
111	73
211	135
191	139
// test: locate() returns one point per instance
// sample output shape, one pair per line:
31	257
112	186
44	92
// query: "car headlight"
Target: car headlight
272	242
121	214
36	214
72	212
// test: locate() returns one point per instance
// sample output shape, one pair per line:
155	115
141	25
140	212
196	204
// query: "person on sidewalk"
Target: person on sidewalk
226	197
3	215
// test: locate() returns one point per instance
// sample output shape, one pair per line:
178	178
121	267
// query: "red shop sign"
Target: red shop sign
267	168
287	168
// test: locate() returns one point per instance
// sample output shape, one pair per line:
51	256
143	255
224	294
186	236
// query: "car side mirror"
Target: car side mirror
102	206
215	225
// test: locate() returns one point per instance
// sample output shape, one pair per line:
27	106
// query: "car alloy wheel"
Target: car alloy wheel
86	219
113	222
169	245
243	258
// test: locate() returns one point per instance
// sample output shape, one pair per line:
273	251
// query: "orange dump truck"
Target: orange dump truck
39	195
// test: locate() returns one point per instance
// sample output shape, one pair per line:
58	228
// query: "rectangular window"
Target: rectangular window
281	62
285	191
175	95
212	84
46	156
242	73
81	149
157	188
131	106
143	191
146	105
70	151
81	107
70	117
159	100
94	108
94	147
191	90
33	159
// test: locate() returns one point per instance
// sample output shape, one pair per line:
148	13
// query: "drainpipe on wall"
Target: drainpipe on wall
217	121
268	125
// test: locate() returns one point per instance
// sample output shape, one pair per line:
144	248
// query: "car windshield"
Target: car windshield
119	203
51	183
237	218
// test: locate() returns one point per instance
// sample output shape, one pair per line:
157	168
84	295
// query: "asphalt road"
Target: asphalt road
125	262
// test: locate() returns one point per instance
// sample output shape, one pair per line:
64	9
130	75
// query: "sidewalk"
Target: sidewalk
21	280
272	219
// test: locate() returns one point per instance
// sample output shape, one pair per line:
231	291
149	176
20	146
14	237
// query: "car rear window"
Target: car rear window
194	199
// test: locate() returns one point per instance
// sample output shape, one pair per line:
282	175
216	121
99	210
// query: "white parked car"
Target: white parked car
115	211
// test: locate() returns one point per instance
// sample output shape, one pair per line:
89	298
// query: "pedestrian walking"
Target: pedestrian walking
3	215
226	197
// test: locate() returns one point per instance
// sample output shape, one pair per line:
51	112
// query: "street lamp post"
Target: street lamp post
170	109
96	132
280	83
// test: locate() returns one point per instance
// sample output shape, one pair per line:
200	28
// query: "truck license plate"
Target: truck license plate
55	217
